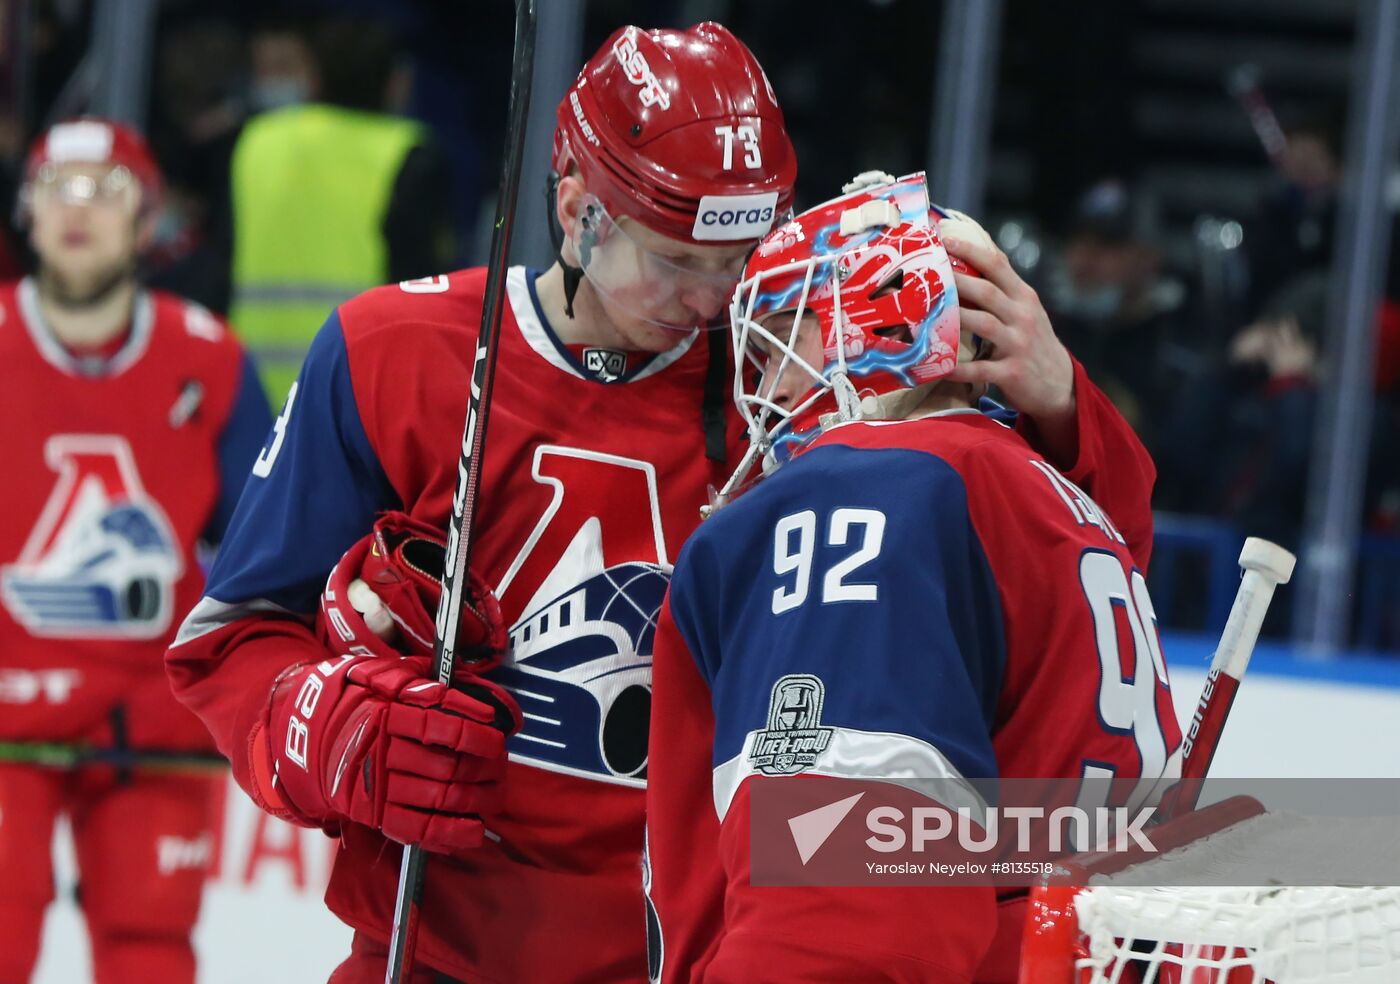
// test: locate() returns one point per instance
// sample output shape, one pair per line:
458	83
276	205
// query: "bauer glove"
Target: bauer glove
370	736
374	740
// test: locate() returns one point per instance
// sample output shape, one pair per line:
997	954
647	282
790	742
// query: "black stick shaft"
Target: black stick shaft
408	904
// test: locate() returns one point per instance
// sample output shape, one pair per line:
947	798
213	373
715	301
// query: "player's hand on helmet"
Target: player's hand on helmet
1030	366
375	740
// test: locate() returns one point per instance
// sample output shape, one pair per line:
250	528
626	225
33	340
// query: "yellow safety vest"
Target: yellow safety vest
311	185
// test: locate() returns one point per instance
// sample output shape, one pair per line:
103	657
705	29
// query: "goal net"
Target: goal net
1120	929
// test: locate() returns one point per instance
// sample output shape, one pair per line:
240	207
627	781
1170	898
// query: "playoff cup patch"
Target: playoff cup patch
794	736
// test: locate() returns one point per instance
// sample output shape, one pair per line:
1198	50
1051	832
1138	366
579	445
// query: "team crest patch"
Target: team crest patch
102	560
606	364
794	736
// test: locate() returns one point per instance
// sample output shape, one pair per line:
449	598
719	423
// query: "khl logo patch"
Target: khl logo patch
606	364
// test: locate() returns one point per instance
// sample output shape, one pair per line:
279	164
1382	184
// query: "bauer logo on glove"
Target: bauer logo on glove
374	740
367	735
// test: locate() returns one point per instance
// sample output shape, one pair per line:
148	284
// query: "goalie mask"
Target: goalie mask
854	298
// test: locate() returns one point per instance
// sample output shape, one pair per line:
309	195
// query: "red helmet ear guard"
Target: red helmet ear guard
93	140
681	131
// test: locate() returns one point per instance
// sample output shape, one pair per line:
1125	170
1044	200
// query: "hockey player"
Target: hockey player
132	420
606	428
946	597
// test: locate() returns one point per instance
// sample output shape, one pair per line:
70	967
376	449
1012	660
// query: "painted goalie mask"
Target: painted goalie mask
867	275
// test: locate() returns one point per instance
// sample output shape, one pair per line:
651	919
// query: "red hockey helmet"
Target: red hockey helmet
92	140
681	131
872	270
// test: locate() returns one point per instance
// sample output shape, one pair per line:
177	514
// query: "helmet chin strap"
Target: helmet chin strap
573	276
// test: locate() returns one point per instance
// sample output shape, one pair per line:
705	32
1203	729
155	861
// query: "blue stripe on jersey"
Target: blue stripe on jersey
924	659
316	489
243	435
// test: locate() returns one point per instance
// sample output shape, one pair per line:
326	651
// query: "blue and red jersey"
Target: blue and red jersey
121	463
592	480
594	474
950	605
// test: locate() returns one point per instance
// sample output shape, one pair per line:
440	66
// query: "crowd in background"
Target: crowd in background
1226	407
1224	395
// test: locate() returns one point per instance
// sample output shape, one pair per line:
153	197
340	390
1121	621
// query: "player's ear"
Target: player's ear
568	206
568	202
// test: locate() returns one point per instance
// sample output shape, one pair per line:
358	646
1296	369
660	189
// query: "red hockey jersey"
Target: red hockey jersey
945	604
118	465
594	476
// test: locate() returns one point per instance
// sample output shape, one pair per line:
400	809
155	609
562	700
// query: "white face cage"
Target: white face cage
767	422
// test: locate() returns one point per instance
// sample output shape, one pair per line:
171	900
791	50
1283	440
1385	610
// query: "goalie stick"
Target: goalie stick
1052	928
407	905
1266	565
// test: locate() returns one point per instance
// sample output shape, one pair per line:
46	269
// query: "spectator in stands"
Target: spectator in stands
1289	247
1292	231
1383	478
331	193
1119	312
1253	423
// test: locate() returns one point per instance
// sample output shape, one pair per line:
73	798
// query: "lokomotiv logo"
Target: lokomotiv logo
730	217
102	560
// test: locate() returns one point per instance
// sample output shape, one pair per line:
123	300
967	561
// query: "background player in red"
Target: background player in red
917	573
132	420
607	425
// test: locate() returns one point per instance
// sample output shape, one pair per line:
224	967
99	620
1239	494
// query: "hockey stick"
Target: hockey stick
408	903
1266	565
56	755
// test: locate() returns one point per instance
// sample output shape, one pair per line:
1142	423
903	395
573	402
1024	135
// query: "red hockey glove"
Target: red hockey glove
382	598
376	741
